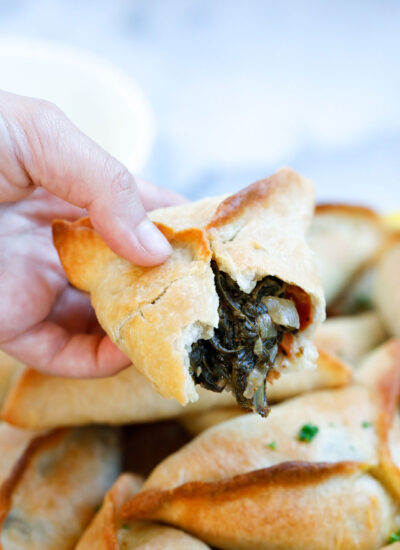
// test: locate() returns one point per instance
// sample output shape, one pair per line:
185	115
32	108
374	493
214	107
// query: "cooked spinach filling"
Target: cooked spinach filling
246	343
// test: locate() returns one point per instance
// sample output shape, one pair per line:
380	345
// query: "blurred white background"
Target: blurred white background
240	88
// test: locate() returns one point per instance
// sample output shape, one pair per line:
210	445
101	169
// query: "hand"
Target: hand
49	169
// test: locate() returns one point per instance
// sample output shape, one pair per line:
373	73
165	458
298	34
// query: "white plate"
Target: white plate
100	98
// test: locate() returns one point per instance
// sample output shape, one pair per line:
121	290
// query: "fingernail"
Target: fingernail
152	239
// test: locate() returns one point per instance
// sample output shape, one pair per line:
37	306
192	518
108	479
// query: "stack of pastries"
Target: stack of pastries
248	420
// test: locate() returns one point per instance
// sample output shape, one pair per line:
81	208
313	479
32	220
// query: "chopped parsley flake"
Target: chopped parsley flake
363	302
307	433
272	445
394	537
366	424
126	526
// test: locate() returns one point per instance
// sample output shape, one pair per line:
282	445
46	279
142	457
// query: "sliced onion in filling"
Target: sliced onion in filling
246	343
282	312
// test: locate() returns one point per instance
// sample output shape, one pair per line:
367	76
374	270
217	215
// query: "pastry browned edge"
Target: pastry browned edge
321	473
158	315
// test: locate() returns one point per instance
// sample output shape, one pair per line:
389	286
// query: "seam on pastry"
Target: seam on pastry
139	310
163	293
380	474
284	474
236	230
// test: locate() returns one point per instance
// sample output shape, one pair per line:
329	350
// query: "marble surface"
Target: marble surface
242	87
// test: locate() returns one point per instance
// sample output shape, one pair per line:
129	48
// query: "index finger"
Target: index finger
50	151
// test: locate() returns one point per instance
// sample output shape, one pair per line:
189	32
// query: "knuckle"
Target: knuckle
49	120
42	107
42	116
122	182
41	122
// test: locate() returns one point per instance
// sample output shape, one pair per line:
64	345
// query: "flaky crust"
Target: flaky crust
155	314
53	483
330	373
39	401
345	239
10	369
387	287
146	310
340	491
108	532
351	337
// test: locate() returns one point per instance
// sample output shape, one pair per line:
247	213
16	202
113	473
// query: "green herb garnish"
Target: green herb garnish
245	345
272	445
363	302
366	424
125	526
307	433
394	537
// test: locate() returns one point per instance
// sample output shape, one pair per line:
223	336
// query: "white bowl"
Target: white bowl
101	99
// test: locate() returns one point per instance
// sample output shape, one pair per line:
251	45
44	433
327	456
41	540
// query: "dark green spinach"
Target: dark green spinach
244	346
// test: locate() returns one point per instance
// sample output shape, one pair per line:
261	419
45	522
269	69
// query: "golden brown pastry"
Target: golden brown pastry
109	532
240	264
345	239
351	337
51	484
10	369
358	295
195	423
322	473
40	401
330	373
387	286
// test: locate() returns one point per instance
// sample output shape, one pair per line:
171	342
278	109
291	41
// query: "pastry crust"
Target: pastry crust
10	370
387	287
330	373
351	337
108	532
345	239
39	401
339	491
51	483
155	314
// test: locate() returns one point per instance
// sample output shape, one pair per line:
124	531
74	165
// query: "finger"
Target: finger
57	352
43	208
153	196
49	151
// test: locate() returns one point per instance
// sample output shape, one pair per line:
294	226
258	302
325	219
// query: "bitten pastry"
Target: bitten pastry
237	301
51	483
321	474
109	532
